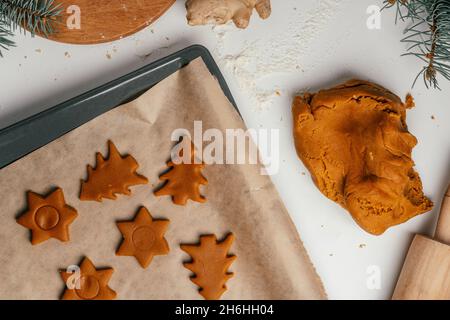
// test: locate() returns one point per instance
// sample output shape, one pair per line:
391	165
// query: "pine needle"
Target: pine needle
427	36
5	43
34	16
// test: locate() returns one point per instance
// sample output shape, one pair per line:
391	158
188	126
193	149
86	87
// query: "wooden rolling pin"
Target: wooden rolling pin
426	271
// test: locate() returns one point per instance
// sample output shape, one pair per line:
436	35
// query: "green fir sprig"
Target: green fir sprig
34	16
5	33
427	36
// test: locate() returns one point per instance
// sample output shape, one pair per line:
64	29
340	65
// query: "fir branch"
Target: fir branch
397	4
5	43
428	36
35	16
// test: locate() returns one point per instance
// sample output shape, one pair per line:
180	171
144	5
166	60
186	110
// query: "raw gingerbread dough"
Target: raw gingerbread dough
143	237
355	143
89	284
48	217
182	181
111	176
210	263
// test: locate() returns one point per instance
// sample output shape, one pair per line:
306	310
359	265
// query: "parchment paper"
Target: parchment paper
271	261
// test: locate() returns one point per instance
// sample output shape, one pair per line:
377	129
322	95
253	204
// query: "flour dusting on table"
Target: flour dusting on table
280	54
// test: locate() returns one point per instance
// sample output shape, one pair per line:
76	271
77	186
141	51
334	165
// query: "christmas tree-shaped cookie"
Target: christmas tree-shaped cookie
183	179
210	263
111	176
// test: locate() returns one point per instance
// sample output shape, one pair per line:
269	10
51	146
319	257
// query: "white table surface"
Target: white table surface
39	74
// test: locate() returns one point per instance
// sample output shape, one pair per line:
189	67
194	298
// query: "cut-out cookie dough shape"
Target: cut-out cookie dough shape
88	283
143	237
183	179
111	176
210	263
48	217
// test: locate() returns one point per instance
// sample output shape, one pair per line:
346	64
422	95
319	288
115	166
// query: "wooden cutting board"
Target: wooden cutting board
96	21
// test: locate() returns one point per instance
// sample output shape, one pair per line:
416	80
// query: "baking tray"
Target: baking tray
38	130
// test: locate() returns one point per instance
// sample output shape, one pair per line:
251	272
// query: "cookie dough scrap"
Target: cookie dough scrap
143	238
354	140
210	263
111	176
87	283
183	180
48	217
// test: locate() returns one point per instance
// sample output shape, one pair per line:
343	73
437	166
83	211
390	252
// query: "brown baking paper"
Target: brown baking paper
271	261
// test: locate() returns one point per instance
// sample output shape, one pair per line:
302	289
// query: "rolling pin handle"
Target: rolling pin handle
442	233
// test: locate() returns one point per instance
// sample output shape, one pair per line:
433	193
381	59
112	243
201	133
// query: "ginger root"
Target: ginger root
354	141
200	12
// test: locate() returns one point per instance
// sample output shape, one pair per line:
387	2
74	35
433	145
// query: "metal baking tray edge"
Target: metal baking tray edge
40	129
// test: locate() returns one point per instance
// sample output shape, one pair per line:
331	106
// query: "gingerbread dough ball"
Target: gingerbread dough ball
355	143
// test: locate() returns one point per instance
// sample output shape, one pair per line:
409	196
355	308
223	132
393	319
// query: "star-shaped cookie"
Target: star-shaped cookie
143	237
47	217
88	283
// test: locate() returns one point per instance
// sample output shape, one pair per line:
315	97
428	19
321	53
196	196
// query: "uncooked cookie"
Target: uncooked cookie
87	283
111	176
210	263
182	182
355	143
48	217
143	238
